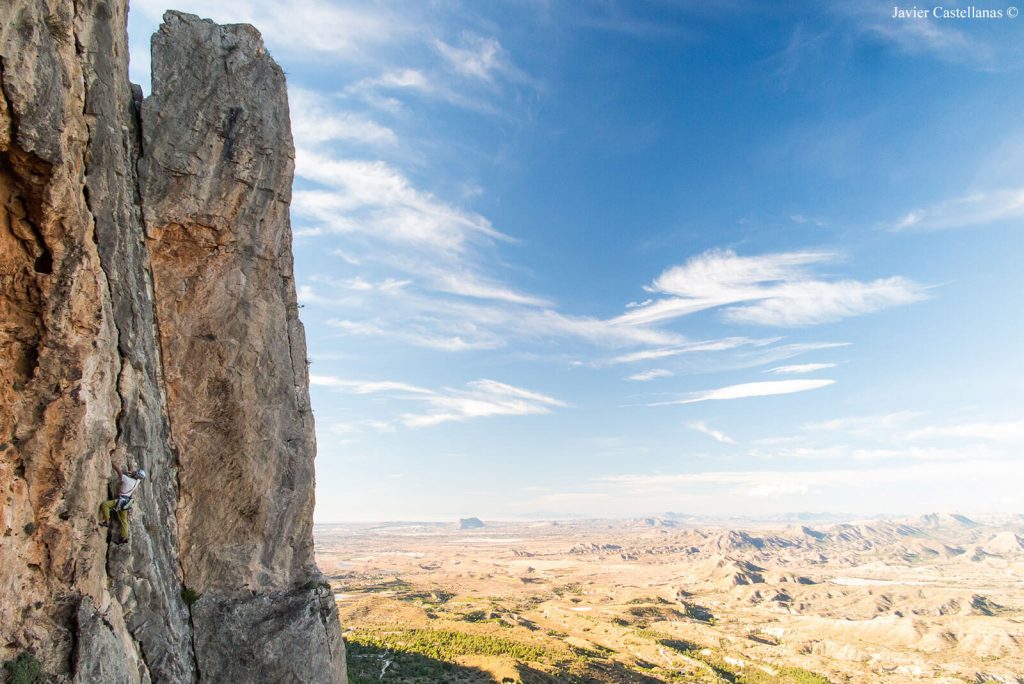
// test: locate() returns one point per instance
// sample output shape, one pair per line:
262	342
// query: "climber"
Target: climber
129	483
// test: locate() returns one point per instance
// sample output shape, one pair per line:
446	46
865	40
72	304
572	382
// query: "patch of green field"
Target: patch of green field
460	630
447	645
368	664
373	587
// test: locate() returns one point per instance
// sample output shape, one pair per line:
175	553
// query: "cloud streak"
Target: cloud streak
648	375
750	389
800	368
1010	432
480	399
375	198
315	121
771	290
758	483
483	398
717	435
345	32
967	211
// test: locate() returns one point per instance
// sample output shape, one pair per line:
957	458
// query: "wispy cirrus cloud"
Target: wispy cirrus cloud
483	398
365	386
375	198
478	57
480	399
955	42
866	425
949	473
652	374
345	31
749	389
688	347
799	368
1010	432
970	210
315	121
717	435
472	73
780	289
424	319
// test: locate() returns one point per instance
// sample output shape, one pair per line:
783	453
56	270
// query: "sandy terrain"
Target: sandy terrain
937	599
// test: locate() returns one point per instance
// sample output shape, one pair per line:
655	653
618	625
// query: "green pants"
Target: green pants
122	516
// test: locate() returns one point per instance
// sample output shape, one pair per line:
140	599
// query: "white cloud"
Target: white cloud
483	398
381	92
647	375
412	79
765	482
750	389
365	386
717	435
376	199
848	454
349	428
451	334
814	302
360	284
800	368
480	58
783	290
347	32
1010	432
930	36
506	314
315	121
866	425
471	285
691	347
975	209
775	489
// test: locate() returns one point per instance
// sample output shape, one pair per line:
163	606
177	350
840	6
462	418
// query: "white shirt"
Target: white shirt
128	485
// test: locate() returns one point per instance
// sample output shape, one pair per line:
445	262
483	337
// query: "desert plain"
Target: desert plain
937	598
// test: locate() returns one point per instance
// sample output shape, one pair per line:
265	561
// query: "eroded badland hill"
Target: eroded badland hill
932	599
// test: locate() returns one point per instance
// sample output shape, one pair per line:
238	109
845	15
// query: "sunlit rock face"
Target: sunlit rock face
148	317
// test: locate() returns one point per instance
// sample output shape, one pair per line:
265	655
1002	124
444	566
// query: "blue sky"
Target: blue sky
617	258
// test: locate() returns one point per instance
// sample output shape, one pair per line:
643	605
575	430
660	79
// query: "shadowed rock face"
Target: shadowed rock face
149	318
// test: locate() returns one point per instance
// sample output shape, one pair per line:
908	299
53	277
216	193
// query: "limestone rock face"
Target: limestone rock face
216	182
148	318
276	637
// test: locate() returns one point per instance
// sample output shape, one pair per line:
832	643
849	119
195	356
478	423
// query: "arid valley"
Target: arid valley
938	598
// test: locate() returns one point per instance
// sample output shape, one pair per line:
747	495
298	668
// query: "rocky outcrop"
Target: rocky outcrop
148	317
216	182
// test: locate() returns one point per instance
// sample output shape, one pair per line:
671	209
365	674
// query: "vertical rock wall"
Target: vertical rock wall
176	348
216	185
58	347
146	581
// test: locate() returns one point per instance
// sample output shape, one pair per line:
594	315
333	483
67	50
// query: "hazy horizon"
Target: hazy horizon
791	518
624	257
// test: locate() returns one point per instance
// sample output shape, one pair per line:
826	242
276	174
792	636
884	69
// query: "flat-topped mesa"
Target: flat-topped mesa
150	320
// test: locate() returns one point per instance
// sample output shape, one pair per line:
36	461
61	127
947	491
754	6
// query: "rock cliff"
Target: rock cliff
148	318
